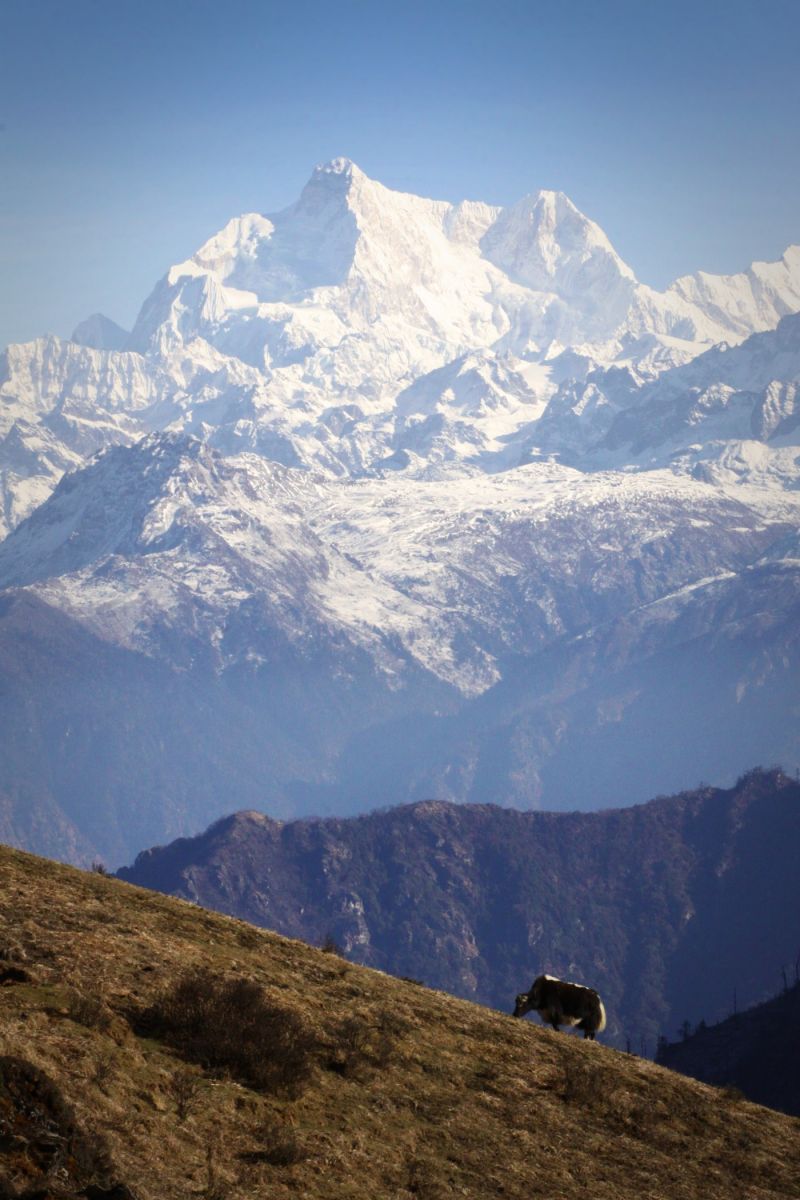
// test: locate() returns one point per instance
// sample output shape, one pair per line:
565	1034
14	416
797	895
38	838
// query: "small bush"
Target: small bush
351	1041
730	1092
277	1145
50	1140
230	1024
389	1028
88	1010
103	1070
329	945
579	1086
249	938
184	1089
215	1188
358	1043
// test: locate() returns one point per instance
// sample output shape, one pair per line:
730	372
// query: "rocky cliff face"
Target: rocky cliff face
478	900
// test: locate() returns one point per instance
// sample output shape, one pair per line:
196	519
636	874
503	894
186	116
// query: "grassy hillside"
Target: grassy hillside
397	1091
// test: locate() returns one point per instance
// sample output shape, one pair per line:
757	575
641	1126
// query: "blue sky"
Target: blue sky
131	131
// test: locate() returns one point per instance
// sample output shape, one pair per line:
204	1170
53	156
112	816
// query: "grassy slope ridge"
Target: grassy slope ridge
468	1103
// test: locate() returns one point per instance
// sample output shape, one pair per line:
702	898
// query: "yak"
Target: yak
562	1003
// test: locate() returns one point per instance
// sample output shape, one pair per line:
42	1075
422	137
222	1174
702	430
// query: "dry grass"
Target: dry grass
226	1023
412	1094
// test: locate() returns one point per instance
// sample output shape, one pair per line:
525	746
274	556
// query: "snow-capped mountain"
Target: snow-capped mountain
363	330
741	398
161	545
248	633
61	402
380	472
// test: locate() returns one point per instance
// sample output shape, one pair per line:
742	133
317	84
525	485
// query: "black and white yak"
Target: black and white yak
562	1003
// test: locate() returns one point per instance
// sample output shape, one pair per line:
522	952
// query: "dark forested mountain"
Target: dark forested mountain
667	908
757	1051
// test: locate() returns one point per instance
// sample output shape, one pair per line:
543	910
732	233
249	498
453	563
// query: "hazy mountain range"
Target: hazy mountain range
397	499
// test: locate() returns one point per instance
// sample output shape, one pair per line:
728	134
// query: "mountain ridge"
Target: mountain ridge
470	898
755	1050
379	291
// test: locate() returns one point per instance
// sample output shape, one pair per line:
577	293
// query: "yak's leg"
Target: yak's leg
588	1030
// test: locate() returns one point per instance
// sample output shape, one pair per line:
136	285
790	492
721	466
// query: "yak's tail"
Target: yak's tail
602	1024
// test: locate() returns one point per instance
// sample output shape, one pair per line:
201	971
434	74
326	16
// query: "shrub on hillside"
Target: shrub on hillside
329	945
358	1043
42	1140
277	1144
230	1024
88	1009
184	1088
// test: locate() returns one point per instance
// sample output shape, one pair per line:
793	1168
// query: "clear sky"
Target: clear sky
130	131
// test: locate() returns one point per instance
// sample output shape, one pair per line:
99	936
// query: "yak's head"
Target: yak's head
523	1004
532	999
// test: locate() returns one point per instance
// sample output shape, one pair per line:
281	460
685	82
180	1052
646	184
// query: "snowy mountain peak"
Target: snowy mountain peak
337	168
363	329
118	501
749	302
547	208
375	455
545	242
